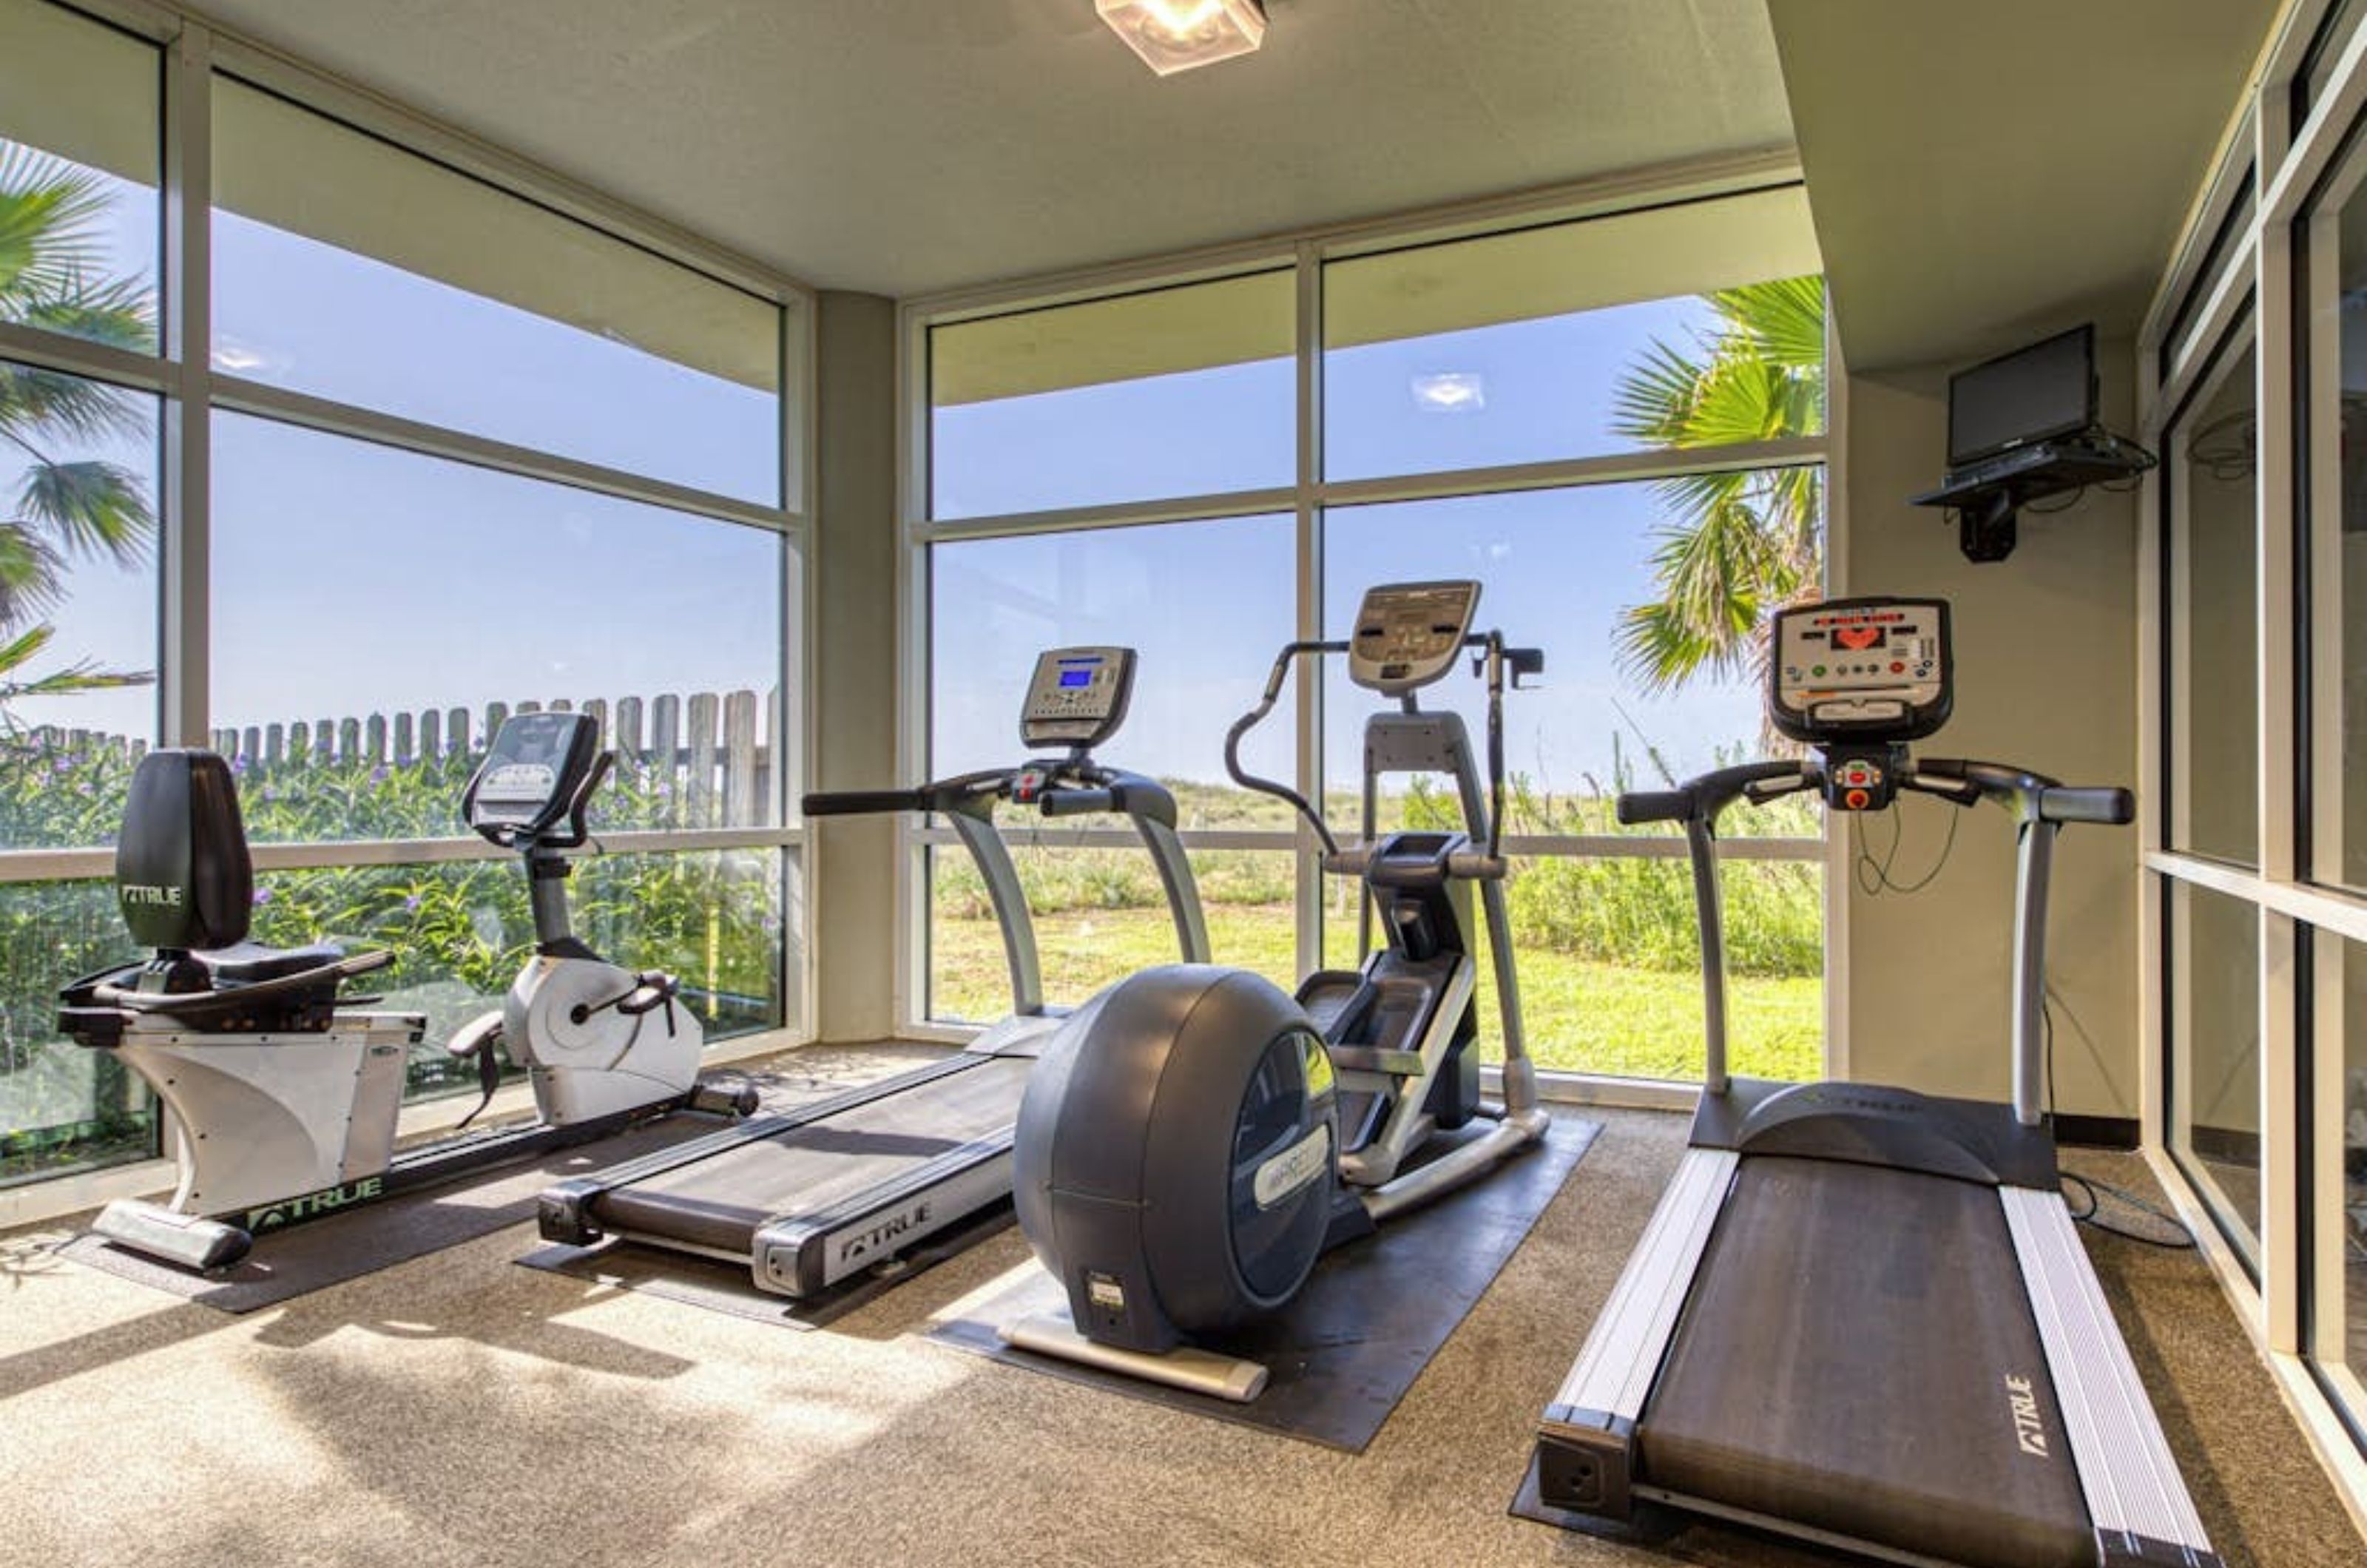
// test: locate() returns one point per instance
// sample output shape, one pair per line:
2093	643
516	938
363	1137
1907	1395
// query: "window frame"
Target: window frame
193	53
1309	498
2303	153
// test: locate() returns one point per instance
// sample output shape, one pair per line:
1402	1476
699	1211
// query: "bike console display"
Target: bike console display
1077	697
540	771
1408	634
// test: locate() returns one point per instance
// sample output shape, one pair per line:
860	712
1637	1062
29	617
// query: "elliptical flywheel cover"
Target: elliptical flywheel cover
1177	1154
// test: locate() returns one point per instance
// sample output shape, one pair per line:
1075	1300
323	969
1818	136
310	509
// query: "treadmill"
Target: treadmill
812	1198
1861	1316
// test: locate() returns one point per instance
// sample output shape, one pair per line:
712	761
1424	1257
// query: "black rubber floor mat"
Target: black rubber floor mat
291	1263
718	1286
1372	1315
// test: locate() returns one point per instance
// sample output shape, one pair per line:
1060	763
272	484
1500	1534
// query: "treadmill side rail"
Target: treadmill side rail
2133	1491
1585	1444
805	1255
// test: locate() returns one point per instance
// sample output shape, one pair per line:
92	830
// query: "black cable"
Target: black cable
2075	497
1880	880
2183	1241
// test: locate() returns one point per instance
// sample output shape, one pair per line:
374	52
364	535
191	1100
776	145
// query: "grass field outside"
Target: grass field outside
1580	1015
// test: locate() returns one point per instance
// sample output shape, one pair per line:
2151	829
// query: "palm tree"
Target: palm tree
67	507
1740	545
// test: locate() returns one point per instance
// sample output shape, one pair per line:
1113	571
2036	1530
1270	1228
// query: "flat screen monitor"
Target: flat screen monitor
2048	388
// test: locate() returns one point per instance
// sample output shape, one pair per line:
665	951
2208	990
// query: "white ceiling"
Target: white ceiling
1985	174
908	146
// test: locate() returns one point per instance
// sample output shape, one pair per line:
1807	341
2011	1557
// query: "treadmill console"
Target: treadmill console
1077	697
532	775
1408	634
1871	670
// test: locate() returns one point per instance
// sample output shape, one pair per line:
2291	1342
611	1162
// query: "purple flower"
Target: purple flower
378	774
262	896
412	903
62	765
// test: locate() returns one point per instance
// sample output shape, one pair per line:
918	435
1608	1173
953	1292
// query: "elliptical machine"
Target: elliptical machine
1195	1139
284	1097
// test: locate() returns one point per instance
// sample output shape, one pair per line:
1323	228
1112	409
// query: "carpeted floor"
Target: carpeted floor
457	1409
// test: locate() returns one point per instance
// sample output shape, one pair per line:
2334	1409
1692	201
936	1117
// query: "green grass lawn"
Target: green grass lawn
1583	1015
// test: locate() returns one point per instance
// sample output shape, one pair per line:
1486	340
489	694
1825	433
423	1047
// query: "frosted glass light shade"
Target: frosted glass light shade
1176	35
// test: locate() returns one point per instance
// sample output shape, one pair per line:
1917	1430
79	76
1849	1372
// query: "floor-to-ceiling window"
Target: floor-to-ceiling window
331	461
1585	414
2256	803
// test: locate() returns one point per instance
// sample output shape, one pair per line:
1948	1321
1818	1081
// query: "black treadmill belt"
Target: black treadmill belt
1858	1356
719	1202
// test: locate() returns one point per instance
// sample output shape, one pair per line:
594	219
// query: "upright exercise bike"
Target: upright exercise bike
1195	1138
284	1093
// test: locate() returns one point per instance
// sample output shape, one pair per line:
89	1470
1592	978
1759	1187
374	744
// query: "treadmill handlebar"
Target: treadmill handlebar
1076	802
1098	789
860	801
2033	796
1702	798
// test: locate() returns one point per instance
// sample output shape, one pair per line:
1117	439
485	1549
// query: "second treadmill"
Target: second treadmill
811	1198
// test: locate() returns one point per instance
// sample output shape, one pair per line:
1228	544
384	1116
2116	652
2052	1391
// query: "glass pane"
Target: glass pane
1099	916
62	1107
1609	958
79	145
1577	571
2337	585
2342	1007
78	603
1646	330
1207	606
376	612
346	267
460	932
2213	948
2215	616
2325	51
2232	226
1178	391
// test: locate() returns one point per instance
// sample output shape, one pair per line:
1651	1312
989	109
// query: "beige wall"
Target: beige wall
854	678
2045	645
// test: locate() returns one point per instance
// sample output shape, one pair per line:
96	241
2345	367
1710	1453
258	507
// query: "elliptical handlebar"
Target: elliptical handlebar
1496	660
1255	716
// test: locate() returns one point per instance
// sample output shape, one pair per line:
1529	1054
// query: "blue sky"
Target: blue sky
1208	603
350	578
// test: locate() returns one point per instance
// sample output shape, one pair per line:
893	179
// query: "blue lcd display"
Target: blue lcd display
1076	678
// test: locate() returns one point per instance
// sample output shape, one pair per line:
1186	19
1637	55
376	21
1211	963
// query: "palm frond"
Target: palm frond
30	574
34	402
1783	320
120	312
1653	402
95	508
50	213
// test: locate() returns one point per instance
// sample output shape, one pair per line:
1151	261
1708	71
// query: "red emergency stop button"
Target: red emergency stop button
1856	800
1898	667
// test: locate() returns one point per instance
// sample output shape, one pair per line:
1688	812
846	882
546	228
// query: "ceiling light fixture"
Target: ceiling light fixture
1176	35
1451	391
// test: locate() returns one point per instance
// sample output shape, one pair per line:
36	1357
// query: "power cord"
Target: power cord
2178	1239
1873	876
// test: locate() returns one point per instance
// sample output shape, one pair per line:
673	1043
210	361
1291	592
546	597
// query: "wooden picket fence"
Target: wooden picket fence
714	745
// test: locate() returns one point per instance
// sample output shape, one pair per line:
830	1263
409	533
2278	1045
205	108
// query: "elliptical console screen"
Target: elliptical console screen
1408	634
537	763
1868	669
1077	697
